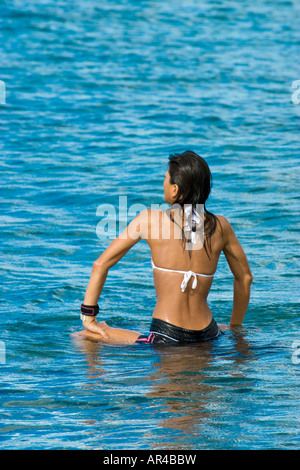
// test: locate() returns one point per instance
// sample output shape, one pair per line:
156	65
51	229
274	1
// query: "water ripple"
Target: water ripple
97	96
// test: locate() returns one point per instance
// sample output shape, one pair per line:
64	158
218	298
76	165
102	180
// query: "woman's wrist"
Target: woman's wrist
89	310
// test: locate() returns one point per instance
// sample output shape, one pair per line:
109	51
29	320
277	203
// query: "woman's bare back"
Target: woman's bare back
188	309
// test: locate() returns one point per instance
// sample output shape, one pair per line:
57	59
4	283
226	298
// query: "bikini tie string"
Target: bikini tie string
187	276
191	219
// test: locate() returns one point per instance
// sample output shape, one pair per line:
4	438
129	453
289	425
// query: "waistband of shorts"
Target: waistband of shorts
183	334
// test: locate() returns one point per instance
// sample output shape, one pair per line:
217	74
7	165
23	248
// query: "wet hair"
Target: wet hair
193	177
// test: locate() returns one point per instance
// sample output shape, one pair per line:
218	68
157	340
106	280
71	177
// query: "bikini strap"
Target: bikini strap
187	276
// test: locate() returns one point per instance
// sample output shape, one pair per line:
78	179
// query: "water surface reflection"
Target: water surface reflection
174	389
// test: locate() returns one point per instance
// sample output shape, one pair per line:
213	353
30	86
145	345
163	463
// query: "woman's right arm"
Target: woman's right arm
240	269
136	230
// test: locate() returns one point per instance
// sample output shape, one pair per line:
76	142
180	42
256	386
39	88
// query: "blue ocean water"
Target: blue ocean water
98	94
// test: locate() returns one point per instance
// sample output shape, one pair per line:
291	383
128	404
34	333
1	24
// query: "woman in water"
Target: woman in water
185	242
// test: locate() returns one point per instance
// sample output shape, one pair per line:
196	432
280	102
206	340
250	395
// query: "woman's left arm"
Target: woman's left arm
135	231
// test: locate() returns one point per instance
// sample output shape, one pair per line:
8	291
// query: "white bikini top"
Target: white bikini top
187	276
192	217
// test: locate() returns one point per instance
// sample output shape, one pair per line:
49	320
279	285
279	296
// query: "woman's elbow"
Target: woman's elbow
246	278
99	267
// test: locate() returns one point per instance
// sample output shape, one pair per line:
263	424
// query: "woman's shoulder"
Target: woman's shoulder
144	221
222	220
223	224
225	228
148	214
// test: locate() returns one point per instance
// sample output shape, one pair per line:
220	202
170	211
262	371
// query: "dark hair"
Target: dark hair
192	175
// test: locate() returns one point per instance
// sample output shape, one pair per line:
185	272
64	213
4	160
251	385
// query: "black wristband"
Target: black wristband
89	310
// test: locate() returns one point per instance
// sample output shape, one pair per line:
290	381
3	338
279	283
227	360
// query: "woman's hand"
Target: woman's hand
91	324
223	327
230	327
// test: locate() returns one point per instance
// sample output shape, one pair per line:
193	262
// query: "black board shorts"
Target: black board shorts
162	332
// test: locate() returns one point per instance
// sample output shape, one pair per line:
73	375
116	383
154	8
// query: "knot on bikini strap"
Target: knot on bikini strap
192	217
187	276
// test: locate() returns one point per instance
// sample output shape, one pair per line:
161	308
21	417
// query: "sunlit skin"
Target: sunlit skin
187	309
